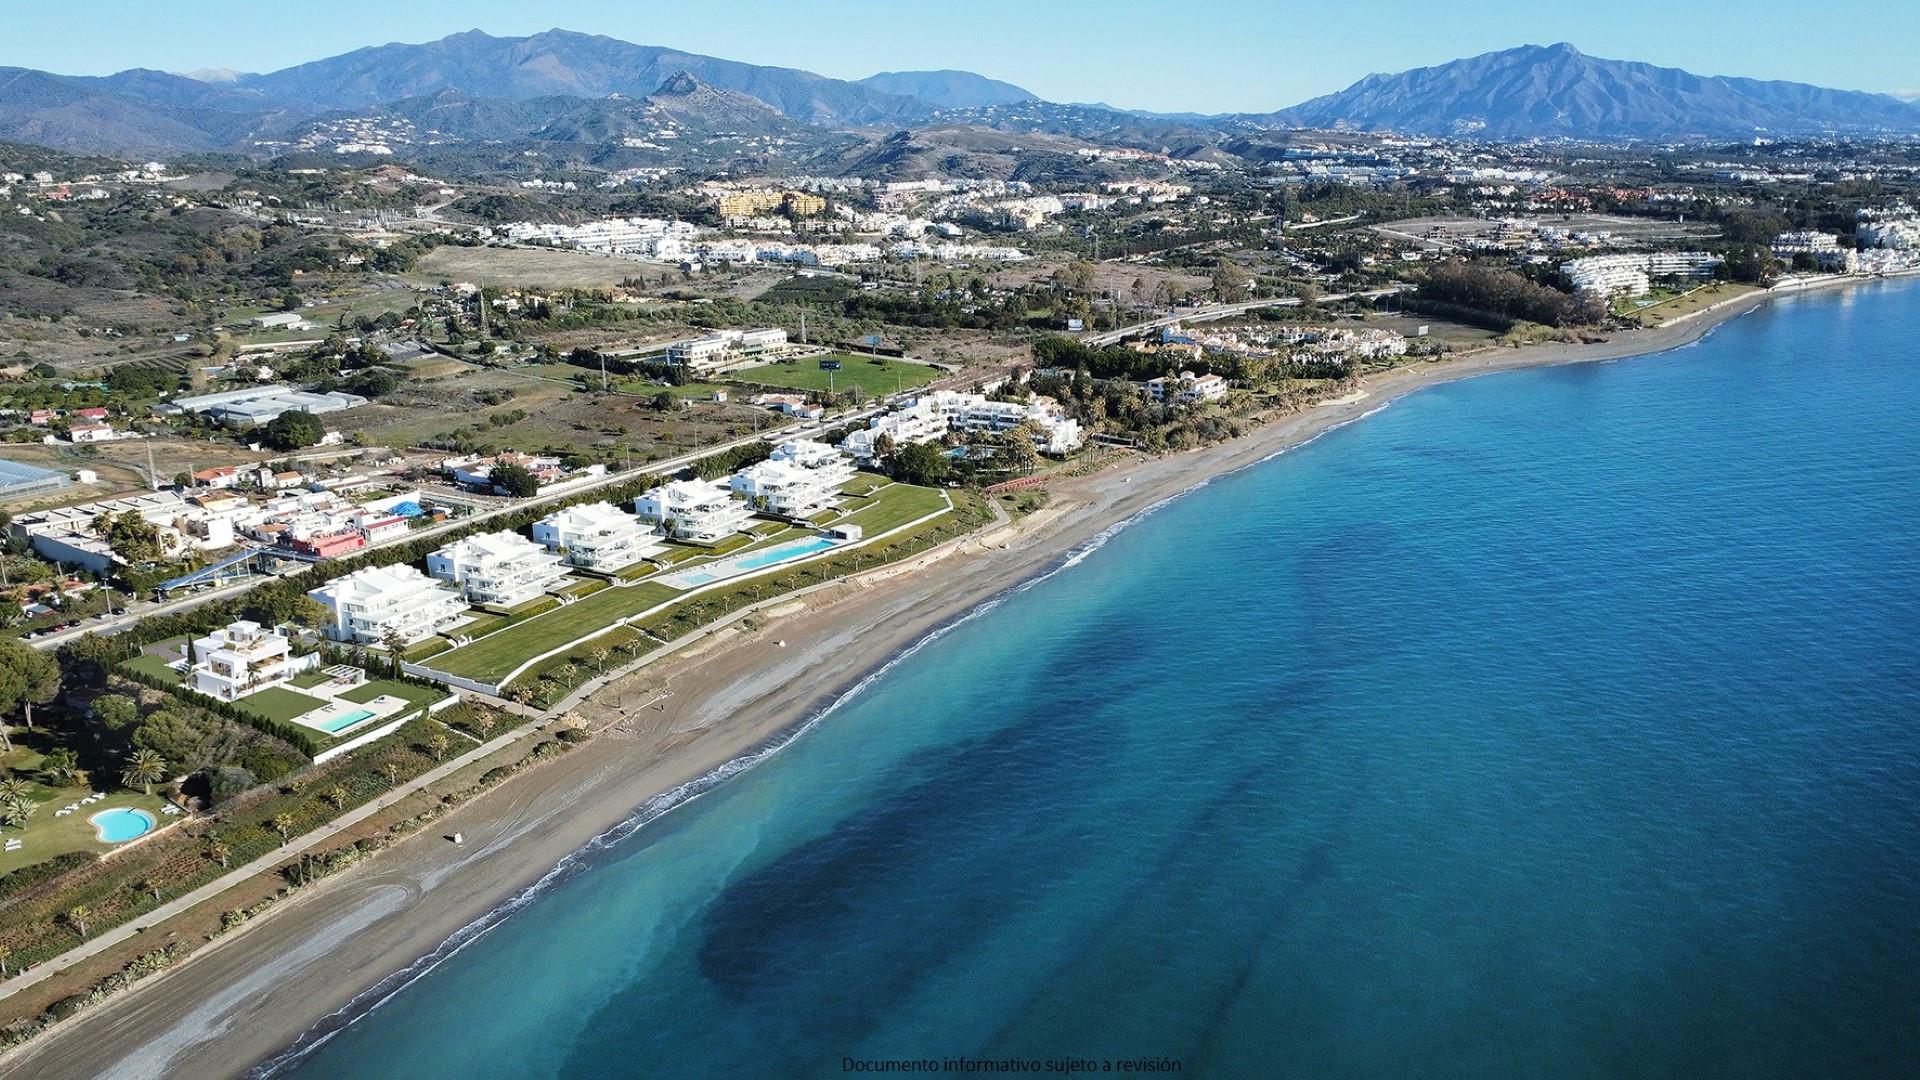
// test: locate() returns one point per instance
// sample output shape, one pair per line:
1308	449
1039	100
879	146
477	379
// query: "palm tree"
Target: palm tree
395	645
77	918
15	812
220	853
337	795
151	885
392	772
283	823
62	765
482	722
437	742
144	768
13	787
5	953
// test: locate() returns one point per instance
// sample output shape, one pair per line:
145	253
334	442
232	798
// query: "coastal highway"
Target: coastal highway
141	609
1222	311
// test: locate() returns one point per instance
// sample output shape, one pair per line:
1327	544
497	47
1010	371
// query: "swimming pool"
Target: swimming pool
344	721
736	565
120	825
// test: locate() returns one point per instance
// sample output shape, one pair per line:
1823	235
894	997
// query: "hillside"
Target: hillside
1557	91
949	89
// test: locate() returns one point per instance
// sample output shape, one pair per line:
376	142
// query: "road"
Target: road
1222	311
140	610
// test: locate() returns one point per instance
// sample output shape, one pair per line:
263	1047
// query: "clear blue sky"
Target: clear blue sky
1199	55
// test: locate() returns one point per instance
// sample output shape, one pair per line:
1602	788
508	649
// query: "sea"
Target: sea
1552	723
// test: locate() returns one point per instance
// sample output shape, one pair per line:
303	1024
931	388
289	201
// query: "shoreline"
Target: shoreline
739	696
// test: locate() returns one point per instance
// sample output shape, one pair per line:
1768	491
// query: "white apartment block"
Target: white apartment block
700	511
369	604
597	536
243	658
800	479
1631	275
502	569
1187	388
933	415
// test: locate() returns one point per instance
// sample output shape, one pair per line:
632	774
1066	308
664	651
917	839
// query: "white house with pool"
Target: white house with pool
501	569
369	604
242	658
597	536
700	511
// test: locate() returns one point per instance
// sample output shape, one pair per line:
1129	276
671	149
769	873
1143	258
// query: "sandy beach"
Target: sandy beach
243	1000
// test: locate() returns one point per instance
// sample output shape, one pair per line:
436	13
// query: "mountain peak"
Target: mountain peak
681	82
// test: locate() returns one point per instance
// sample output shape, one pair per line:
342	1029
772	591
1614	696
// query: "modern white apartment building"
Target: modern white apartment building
934	414
501	569
714	350
369	604
597	536
701	511
243	658
801	479
1631	275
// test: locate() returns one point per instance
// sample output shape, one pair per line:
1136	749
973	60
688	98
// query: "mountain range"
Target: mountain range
581	88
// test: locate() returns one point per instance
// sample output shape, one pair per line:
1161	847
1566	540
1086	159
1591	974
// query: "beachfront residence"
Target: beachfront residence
369	604
1186	388
597	536
697	511
936	413
801	479
242	658
500	569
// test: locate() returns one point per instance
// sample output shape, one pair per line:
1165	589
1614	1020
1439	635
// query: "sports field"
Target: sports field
874	378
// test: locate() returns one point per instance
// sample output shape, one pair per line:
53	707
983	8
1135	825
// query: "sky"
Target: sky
1198	55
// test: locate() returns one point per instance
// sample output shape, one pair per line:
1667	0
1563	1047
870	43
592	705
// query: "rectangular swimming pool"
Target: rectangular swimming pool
736	565
341	723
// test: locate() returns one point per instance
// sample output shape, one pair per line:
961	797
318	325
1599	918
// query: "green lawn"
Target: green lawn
419	695
892	507
149	664
46	834
876	379
492	657
307	680
277	703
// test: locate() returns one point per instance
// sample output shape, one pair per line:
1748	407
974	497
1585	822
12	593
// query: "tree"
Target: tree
438	744
219	852
5	954
921	463
391	772
189	740
61	765
283	823
15	812
295	429
145	768
28	677
337	795
151	885
1021	456
116	711
13	787
77	918
515	479
1230	282
396	645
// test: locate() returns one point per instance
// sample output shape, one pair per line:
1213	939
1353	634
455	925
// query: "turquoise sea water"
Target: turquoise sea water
1557	723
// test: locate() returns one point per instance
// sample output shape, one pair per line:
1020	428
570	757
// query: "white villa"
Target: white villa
1188	388
243	658
597	536
368	604
501	569
701	511
801	479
